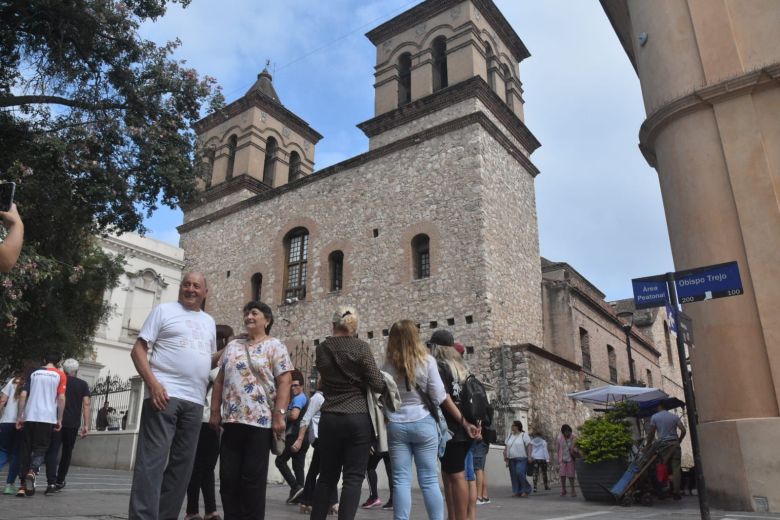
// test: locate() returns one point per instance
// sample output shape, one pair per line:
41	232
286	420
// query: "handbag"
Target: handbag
277	443
441	423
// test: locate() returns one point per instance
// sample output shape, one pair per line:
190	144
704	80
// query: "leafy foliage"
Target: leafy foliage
96	130
606	437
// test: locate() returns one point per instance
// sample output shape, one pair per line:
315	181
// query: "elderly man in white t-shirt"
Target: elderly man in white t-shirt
183	345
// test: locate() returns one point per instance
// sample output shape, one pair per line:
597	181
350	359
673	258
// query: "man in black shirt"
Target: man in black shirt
77	406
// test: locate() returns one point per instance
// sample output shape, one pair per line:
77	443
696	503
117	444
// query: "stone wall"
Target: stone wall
433	187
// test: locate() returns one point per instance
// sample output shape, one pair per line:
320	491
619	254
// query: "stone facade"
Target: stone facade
453	165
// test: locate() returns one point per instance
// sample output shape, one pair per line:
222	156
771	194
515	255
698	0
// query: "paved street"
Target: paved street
103	494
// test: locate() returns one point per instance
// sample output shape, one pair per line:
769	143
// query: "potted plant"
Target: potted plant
604	444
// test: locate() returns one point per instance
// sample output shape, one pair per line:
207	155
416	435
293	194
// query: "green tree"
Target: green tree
96	130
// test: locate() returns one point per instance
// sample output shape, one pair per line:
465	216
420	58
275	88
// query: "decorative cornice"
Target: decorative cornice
259	100
137	251
430	8
475	87
708	96
546	354
412	140
238	183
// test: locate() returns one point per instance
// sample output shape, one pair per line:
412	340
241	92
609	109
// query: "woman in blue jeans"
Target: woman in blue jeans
412	431
517	450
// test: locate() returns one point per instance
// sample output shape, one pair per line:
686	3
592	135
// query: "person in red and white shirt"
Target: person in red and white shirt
41	405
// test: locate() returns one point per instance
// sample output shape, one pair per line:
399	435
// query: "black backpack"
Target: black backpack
474	402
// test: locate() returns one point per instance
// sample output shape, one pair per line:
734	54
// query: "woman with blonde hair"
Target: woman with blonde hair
412	430
453	372
347	370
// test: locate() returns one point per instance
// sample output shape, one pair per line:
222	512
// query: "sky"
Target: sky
599	203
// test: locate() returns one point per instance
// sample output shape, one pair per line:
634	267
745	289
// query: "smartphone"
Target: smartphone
7	190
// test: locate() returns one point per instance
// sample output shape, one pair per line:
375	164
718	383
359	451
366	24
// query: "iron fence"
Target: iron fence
110	403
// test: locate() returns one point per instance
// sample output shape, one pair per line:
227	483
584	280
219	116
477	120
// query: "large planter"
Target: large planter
596	479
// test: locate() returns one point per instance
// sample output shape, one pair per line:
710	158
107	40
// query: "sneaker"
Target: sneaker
21	492
485	500
534	490
51	489
10	489
29	484
295	495
388	506
59	485
479	501
371	502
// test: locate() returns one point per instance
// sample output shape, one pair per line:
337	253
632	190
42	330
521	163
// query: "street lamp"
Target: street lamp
627	319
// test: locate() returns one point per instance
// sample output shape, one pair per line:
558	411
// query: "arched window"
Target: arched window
404	79
612	359
508	86
491	70
257	286
585	349
296	245
421	254
336	265
271	148
668	339
295	167
439	51
232	144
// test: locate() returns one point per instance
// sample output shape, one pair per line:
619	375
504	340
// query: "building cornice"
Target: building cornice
129	249
546	354
237	183
257	99
430	8
475	87
746	83
477	118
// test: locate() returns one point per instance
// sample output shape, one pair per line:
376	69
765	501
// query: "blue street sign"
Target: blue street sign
706	283
649	292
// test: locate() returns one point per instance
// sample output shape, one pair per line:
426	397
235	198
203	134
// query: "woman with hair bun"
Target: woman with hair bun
347	370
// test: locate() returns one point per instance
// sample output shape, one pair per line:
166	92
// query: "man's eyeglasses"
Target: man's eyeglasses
295	384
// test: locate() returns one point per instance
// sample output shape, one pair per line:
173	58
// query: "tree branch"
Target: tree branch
14	101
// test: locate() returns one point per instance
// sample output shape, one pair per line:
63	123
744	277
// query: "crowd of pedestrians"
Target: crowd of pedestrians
212	396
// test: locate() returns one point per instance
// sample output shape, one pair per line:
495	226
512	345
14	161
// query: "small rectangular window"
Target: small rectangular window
469	319
370	334
450	321
434	324
385	332
376	232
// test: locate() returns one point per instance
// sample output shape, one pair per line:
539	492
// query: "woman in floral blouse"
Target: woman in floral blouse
250	397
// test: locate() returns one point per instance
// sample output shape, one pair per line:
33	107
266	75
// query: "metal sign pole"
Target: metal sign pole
693	419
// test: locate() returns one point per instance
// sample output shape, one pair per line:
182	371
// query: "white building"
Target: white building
153	271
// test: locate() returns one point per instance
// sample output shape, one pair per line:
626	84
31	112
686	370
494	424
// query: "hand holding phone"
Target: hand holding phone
7	190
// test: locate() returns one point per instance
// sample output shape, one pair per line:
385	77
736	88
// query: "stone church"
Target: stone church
436	222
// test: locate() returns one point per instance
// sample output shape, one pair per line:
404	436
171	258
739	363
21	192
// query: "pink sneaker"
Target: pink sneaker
371	502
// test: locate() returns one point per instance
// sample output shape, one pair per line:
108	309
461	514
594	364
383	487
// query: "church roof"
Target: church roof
265	86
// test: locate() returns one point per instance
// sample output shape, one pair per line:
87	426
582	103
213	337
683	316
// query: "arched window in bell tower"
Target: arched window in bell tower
271	149
232	145
404	79
507	86
295	167
491	71
439	51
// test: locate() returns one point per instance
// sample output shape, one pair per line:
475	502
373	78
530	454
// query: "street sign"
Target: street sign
650	292
706	283
685	327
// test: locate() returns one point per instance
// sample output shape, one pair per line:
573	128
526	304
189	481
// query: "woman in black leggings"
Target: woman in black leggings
373	461
347	370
